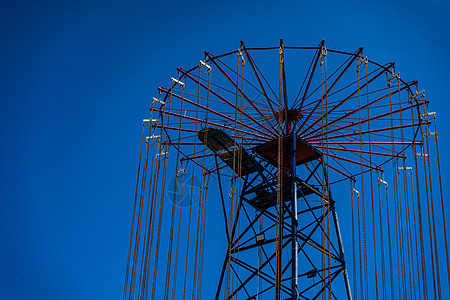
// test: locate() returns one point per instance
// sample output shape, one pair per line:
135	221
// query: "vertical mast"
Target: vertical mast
293	185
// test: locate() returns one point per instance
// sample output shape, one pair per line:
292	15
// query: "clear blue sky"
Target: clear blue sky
76	79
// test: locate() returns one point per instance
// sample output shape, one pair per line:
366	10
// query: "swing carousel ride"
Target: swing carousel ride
248	158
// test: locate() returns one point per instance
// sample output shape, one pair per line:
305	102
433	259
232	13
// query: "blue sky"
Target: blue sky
76	81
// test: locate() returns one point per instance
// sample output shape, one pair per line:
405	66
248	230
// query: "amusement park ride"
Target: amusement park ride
247	160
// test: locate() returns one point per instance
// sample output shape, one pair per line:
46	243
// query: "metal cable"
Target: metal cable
161	206
383	272
419	211
391	121
134	215
153	191
174	200
364	288
278	267
427	158
177	247
442	203
430	228
371	186
191	195
413	205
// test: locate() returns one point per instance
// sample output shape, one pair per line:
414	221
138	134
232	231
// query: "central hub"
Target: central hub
290	117
304	152
293	115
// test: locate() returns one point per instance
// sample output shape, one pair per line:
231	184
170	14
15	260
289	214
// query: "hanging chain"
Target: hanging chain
364	288
278	267
442	198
